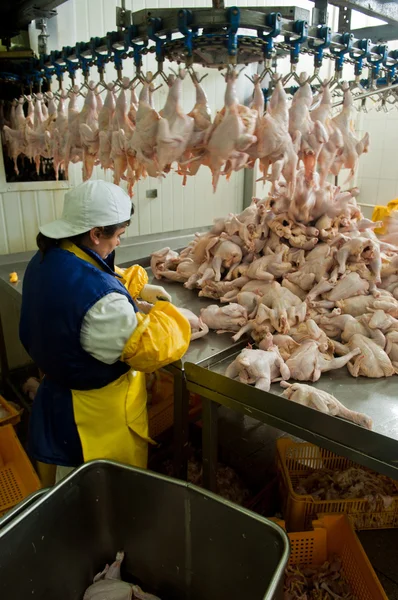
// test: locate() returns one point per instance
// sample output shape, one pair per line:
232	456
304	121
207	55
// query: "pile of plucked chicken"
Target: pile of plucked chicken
301	271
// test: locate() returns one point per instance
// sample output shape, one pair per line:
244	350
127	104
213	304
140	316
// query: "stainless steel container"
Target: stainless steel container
181	542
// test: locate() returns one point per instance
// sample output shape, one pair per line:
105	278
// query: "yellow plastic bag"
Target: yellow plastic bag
380	213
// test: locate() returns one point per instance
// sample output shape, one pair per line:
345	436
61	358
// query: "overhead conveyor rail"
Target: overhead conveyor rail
216	37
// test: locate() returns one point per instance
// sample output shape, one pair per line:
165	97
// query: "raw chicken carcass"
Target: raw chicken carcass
268	266
223	254
224	318
89	131
107	585
191	159
122	154
74	151
160	261
392	348
259	367
311	135
39	138
353	147
285	343
143	140
306	395
59	134
198	327
372	361
309	330
175	127
281	307
105	122
307	362
231	134
351	284
274	146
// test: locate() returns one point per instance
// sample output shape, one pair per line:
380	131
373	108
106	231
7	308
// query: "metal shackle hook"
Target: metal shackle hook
300	29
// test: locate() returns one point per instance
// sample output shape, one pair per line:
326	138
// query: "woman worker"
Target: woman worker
81	326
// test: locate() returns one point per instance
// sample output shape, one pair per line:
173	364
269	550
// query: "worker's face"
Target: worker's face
104	246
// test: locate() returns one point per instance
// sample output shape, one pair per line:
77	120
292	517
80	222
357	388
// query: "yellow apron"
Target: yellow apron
113	421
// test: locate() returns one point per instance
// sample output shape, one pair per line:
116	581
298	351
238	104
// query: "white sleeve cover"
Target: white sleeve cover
107	326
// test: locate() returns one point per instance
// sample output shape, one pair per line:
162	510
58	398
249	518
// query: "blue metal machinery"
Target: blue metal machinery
214	38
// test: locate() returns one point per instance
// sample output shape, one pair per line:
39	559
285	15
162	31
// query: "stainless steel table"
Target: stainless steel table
378	398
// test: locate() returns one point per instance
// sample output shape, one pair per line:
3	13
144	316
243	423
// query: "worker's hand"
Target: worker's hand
153	293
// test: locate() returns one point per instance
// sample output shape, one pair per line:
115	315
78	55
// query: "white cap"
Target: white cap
95	203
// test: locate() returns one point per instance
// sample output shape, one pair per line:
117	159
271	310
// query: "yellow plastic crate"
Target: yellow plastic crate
18	479
295	461
333	535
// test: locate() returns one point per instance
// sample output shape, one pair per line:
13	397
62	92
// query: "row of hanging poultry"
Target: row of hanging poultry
126	134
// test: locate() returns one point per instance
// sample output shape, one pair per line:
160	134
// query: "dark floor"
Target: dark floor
381	547
249	447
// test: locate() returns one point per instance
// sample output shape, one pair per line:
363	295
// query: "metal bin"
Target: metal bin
181	542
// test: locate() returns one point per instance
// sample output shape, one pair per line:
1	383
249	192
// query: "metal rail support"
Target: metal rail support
320	12
43	35
181	424
345	19
387	11
210	444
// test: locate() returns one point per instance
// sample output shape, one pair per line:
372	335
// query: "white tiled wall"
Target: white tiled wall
378	170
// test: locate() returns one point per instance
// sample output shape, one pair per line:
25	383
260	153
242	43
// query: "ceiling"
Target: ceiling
15	15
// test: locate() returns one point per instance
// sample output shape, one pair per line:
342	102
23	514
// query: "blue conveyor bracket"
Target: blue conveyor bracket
347	39
295	41
185	20
202	29
154	25
232	34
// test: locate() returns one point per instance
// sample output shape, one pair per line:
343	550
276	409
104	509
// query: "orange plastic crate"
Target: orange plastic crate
18	479
13	415
333	535
295	461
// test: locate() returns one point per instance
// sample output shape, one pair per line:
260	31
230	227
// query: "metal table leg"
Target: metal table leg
209	443
181	426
